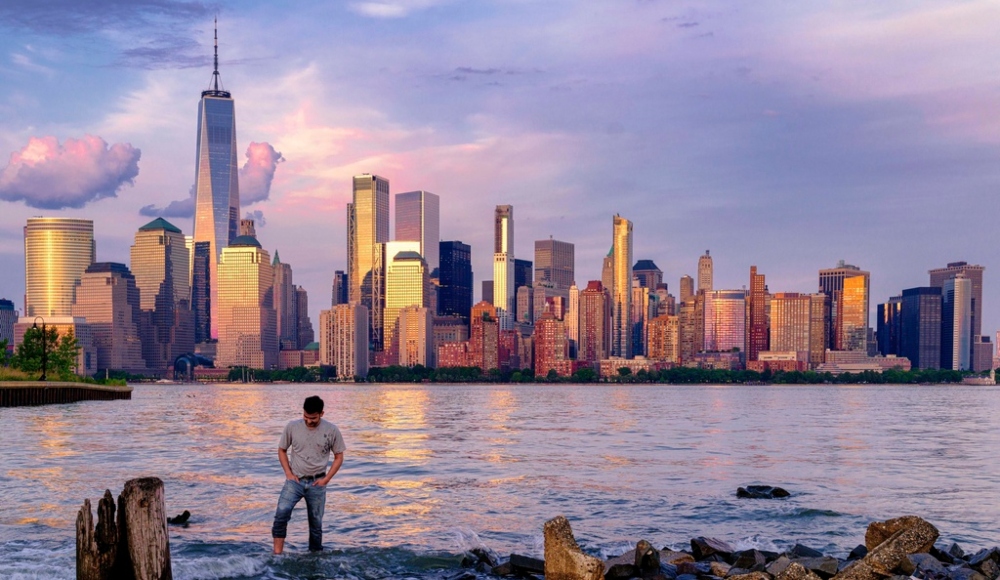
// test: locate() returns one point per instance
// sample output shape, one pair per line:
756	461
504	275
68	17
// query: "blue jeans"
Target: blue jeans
315	496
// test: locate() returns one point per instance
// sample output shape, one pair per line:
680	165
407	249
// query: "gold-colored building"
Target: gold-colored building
665	339
407	283
56	253
854	314
367	232
621	289
247	320
415	336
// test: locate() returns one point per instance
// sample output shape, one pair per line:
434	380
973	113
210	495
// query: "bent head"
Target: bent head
312	411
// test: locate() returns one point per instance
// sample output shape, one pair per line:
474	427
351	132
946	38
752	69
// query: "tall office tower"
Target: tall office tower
216	180
649	275
522	278
687	288
161	266
406	284
247	228
705	273
956	323
687	316
8	318
368	231
339	294
666	305
285	303
621	290
56	253
416	337
819	331
418	219
756	323
455	278
108	298
572	319
189	244
791	322
526	305
639	317
854	314
343	340
919	325
201	291
503	265
555	263
725	320
487	291
484	337
305	327
608	270
551	346
831	283
665	339
595	331
888	326
972	272
247	320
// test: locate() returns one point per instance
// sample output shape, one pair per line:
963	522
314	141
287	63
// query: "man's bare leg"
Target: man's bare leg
279	545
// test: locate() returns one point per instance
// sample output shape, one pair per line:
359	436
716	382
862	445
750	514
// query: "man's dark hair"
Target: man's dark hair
313	404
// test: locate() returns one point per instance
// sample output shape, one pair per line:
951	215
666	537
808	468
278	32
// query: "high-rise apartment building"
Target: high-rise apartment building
690	339
889	318
649	275
57	251
418	219
791	322
686	288
415	336
367	233
526	304
974	273
555	263
339	294
621	291
850	333
919	327
819	332
665	339
107	297
503	265
160	262
640	317
407	284
956	323
757	317
247	320
522	278
216	180
551	346
595	318
608	270
572	319
343	340
484	337
285	305
706	274
455	278
725	320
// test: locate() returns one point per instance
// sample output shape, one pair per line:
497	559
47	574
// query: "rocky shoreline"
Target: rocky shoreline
897	549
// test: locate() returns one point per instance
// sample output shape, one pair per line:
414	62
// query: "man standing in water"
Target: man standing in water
304	451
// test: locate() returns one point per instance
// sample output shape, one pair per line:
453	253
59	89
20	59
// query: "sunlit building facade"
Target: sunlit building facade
418	219
343	340
706	273
108	299
665	339
595	318
853	314
57	251
367	233
415	337
86	358
484	337
285	305
791	322
503	264
686	288
551	347
757	338
621	291
407	284
844	334
956	323
555	263
725	320
247	320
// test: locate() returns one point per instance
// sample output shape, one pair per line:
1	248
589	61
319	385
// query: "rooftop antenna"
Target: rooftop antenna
215	91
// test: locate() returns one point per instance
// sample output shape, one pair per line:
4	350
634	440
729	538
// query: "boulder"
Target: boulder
805	552
647	559
702	547
563	558
504	569
913	539
696	568
796	571
720	569
823	566
686	577
984	555
734	571
620	567
778	566
526	565
672	557
750	559
956	551
922	564
761	492
990	569
965	573
858	552
879	532
858	570
751	576
941	555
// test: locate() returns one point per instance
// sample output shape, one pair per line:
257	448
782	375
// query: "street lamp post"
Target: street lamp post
45	354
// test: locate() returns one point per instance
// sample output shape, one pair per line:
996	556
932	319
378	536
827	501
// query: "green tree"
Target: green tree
4	357
60	353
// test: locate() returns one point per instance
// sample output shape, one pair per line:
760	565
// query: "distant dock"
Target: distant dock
27	393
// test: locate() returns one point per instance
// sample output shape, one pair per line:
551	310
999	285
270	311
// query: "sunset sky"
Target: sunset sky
786	135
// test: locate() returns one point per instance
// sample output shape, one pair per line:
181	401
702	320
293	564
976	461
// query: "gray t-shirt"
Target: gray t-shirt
309	449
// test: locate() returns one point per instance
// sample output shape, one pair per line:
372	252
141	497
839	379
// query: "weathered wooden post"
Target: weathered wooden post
133	546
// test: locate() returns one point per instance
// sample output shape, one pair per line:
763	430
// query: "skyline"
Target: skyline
783	137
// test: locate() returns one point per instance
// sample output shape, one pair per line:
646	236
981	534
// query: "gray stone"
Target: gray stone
956	551
750	559
620	567
720	569
504	569
751	576
984	555
858	570
702	547
990	569
647	558
563	558
526	564
916	538
824	566
805	552
778	566
671	557
879	532
965	573
796	571
860	551
761	492
921	564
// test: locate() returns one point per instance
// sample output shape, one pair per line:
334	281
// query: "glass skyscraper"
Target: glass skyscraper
367	233
418	219
57	251
217	190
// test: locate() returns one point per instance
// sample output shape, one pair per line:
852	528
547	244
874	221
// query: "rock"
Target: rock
181	519
984	555
761	492
796	571
462	576
914	539
857	553
941	555
921	564
824	566
668	571
563	558
526	564
858	570
749	559
702	547
620	567
751	576
770	556
504	569
671	557
964	573
956	551
647	559
778	566
990	569
879	532
734	571
686	577
696	568
720	569
805	552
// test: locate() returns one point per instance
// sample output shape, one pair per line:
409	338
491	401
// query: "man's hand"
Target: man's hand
291	477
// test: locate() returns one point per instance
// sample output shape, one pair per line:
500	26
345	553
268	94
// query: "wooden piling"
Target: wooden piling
133	546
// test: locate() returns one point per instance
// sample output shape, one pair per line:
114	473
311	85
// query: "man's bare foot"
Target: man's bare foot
279	546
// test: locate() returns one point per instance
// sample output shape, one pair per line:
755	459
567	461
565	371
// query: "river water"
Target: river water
433	470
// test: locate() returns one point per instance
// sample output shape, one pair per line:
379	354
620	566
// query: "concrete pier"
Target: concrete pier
26	393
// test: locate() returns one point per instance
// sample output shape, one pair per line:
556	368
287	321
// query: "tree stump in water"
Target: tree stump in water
133	546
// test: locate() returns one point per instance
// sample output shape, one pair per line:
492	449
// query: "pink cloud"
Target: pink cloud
47	175
258	172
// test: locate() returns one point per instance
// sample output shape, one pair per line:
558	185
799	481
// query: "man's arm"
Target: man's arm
283	458
338	460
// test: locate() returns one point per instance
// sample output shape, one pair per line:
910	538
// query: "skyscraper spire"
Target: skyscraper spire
214	90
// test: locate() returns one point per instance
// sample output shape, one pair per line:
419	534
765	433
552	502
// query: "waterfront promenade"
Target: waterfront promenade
26	393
